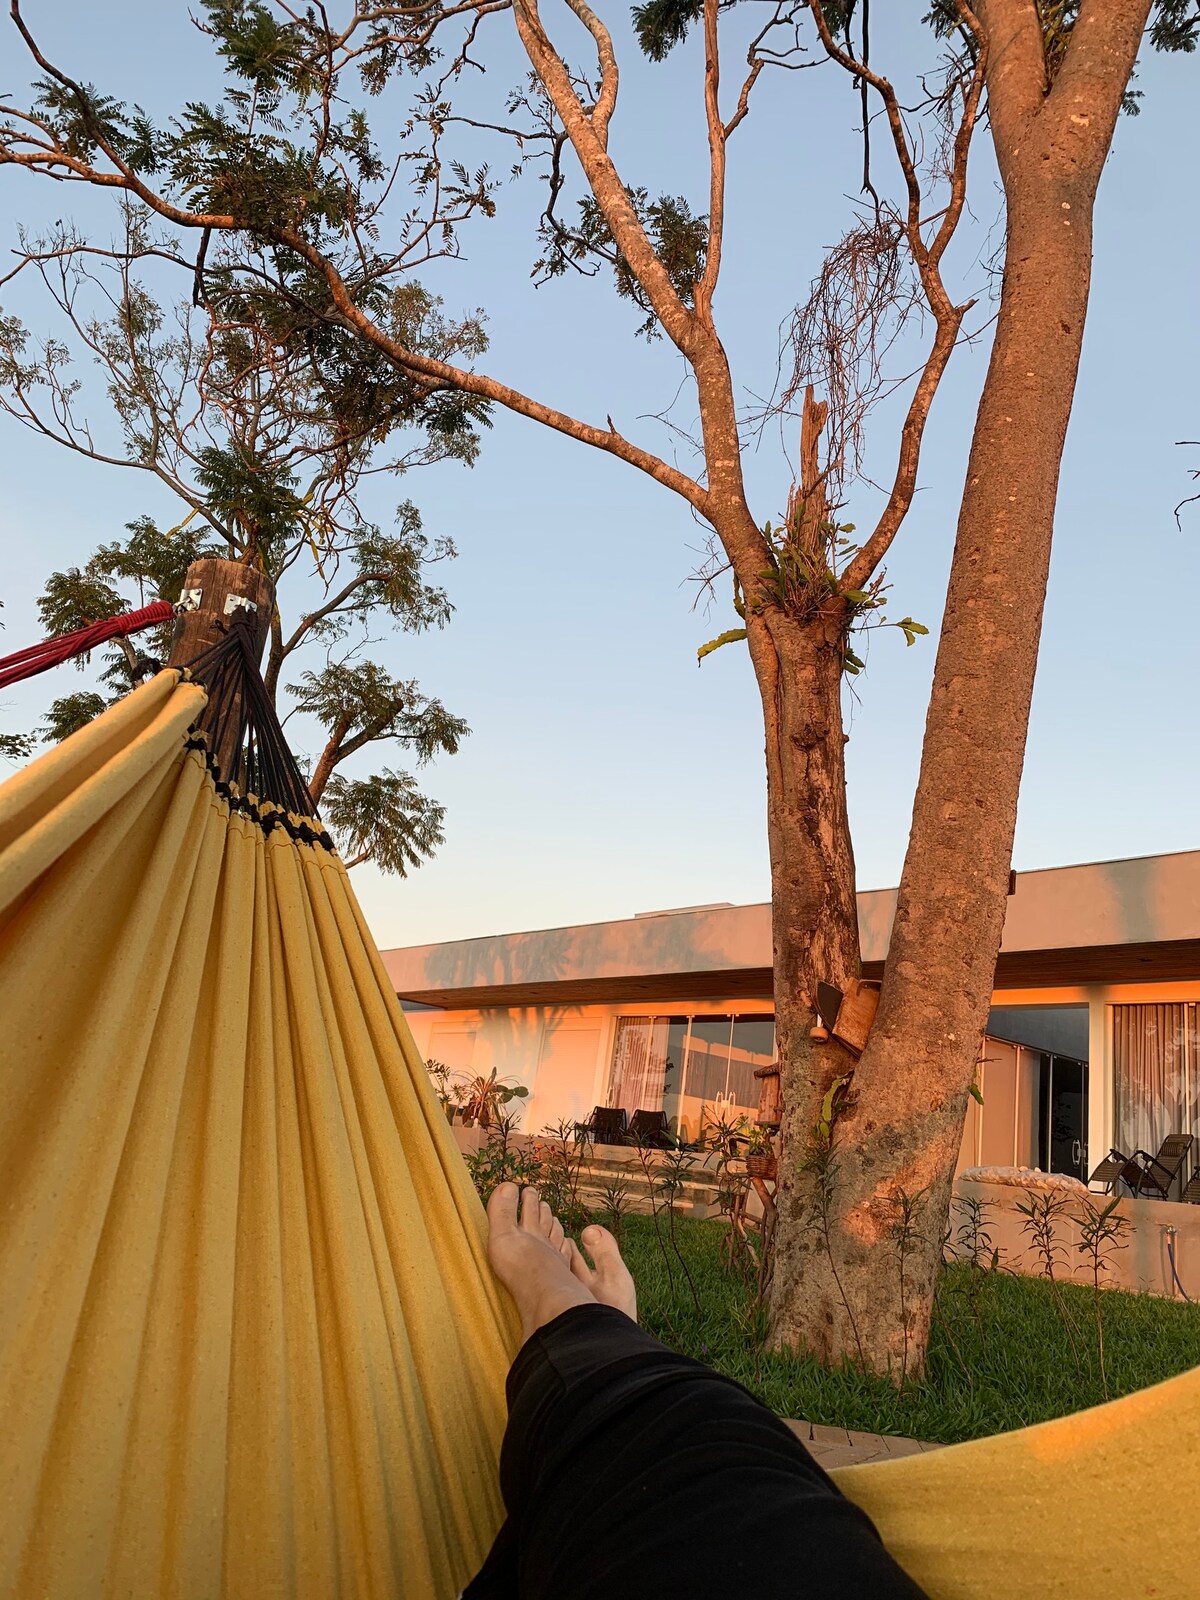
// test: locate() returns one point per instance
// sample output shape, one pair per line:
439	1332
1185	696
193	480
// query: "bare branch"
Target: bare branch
716	165
927	258
604	180
609	77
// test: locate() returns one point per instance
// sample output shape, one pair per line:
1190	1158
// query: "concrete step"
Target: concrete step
696	1195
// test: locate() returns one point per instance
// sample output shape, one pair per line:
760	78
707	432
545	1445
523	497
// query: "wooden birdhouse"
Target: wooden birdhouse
856	1013
770	1097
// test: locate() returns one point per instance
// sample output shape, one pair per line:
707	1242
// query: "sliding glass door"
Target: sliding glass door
697	1069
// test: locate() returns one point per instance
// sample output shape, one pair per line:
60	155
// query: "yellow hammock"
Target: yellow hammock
249	1343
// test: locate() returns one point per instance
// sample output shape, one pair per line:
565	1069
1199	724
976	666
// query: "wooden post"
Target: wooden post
209	621
214	587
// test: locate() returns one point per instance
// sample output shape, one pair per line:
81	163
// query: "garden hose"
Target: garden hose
1171	1258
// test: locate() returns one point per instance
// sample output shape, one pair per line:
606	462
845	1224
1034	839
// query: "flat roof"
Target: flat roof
1106	921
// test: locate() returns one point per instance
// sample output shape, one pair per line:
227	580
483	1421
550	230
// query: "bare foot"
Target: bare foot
527	1250
608	1278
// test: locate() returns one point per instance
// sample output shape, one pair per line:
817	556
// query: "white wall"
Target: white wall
562	1055
559	1053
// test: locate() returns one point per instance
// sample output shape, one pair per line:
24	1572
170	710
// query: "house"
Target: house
1093	1038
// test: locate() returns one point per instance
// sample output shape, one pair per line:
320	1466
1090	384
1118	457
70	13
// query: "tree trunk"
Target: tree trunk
889	1169
815	933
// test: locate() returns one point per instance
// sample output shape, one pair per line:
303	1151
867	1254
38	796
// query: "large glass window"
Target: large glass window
753	1046
647	1063
1156	1073
708	1059
696	1069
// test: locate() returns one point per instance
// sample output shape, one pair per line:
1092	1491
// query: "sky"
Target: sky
607	773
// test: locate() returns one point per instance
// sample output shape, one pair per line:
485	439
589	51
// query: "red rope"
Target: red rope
49	653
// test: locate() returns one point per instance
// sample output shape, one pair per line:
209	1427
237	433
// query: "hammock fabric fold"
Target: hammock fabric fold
249	1343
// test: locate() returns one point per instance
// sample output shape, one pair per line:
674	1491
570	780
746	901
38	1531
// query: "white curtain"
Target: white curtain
639	1064
1156	1067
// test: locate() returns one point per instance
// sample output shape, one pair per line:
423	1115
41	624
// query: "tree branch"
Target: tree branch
604	180
442	373
716	164
310	620
606	100
927	258
1086	83
1017	77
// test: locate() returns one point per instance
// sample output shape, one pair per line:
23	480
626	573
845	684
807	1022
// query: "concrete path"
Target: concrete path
838	1447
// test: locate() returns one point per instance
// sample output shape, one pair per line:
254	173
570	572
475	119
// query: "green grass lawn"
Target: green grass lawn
1000	1356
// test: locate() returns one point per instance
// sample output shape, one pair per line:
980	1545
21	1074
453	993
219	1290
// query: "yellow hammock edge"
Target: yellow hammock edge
249	1342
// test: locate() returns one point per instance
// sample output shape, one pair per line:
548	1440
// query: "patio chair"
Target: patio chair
1160	1172
607	1125
650	1128
1191	1195
1117	1168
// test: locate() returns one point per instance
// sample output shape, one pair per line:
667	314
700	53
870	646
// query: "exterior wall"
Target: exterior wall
563	1054
559	1054
1143	1266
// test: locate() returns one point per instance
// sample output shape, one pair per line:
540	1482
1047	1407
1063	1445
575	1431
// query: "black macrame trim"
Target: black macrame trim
260	810
263	781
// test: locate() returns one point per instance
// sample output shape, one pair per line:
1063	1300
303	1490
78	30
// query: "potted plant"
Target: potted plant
761	1161
482	1098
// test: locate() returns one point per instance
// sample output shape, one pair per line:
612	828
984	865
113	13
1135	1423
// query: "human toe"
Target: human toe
602	1247
502	1208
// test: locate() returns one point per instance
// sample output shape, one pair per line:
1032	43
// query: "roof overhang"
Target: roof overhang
1110	922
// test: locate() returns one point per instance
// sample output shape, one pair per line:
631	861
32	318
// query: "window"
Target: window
647	1063
693	1068
1156	1073
453	1047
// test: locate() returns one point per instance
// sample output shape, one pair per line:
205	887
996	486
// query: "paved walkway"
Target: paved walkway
838	1447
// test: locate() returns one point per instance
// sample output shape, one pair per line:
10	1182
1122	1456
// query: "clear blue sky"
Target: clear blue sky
606	773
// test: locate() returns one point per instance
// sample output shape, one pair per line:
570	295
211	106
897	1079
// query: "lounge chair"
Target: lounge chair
650	1128
1191	1195
1160	1172
1118	1168
607	1125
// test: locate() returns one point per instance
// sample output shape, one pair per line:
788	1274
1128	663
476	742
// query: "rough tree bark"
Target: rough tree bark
899	1133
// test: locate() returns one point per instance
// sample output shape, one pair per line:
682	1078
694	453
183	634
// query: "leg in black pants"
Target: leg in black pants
632	1473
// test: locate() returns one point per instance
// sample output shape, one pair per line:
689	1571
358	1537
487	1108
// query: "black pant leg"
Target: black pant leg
633	1473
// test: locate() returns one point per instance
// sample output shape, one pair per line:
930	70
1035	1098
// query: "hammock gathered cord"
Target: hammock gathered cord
249	1343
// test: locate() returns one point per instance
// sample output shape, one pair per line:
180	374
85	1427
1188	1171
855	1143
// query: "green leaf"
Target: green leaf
72	712
730	636
16	746
977	1094
662	24
911	629
834	1096
851	663
384	819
